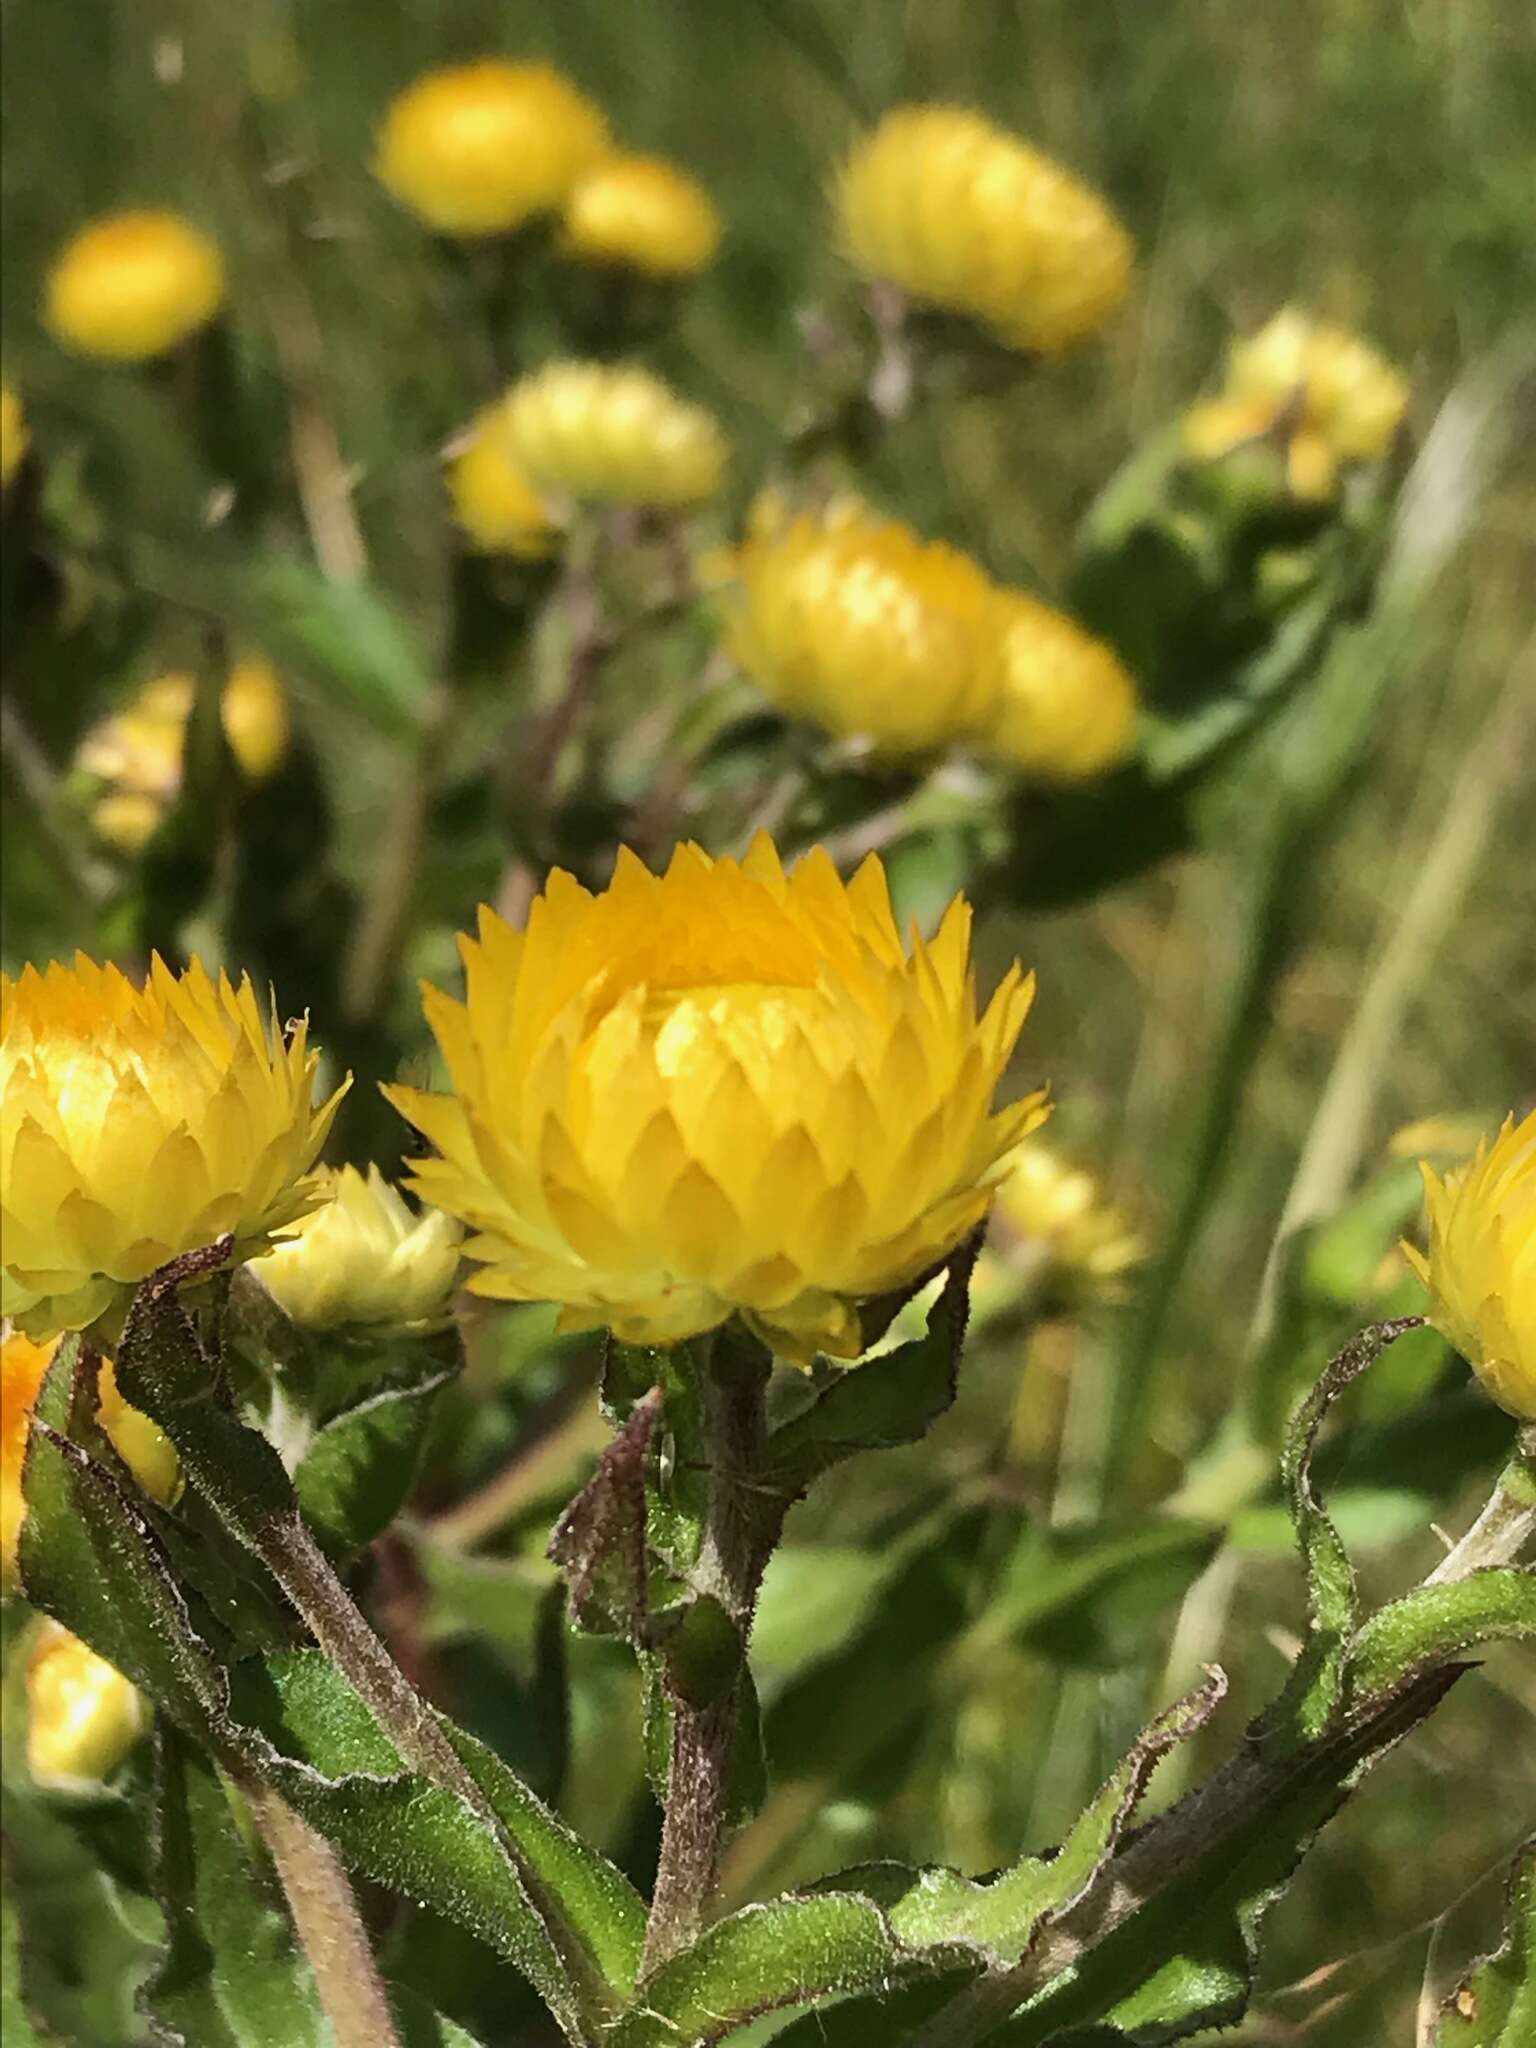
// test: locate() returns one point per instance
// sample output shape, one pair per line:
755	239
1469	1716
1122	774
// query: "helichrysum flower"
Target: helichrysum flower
132	285
140	1122
1063	708
642	213
83	1716
141	1444
715	1090
1480	1268
1059	1212
496	507
14	438
1218	427
857	624
964	216
478	149
612	434
363	1257
253	711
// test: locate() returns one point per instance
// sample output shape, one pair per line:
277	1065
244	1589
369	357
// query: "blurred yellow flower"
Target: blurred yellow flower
715	1090
1481	1265
1064	708
83	1716
477	149
1059	1212
141	1444
363	1257
641	212
137	1123
857	624
1220	426
964	216
14	438
612	434
253	711
132	285
494	503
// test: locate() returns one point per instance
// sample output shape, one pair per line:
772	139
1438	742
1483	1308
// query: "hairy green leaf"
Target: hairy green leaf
1494	2006
358	1469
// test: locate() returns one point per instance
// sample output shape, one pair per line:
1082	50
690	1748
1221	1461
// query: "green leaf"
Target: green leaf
348	635
421	2027
16	2028
1435	1623
1494	2006
354	1478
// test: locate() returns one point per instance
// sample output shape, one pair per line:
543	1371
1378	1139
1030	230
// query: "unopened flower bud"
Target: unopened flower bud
640	213
83	1715
133	285
364	1258
496	507
1059	1212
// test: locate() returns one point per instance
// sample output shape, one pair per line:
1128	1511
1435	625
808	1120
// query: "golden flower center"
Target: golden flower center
751	1022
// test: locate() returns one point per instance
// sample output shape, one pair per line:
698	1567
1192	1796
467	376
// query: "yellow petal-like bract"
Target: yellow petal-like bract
1064	708
132	285
966	217
478	149
1059	1212
137	1123
14	438
1480	1268
859	625
715	1090
641	213
496	507
83	1716
612	434
363	1258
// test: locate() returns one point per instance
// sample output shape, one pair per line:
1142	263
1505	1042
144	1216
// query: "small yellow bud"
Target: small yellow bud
494	503
478	149
1480	1268
137	753
966	217
254	714
612	434
83	1716
643	213
364	1257
133	285
14	438
1060	1214
1065	709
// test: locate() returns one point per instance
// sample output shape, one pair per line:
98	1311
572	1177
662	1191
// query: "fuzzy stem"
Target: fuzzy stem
1506	1524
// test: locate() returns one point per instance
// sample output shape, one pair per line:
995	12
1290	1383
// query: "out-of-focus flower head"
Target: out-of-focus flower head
14	438
641	213
83	1716
722	1089
1059	1214
253	710
612	434
138	1122
1064	708
857	624
131	286
363	1258
1480	1267
966	217
496	507
478	149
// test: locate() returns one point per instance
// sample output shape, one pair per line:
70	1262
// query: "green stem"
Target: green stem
1506	1524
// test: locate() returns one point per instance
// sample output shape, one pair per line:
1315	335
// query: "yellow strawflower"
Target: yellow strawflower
964	216
1064	708
253	710
857	624
1481	1265
140	1122
363	1257
643	213
14	438
718	1090
1059	1213
137	754
494	503
478	149
132	285
612	434
83	1716
141	1444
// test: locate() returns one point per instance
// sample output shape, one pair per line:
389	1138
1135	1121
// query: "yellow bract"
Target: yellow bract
363	1257
1064	708
856	623
14	438
137	1123
1059	1211
641	212
720	1089
132	285
477	149
1481	1265
83	1716
612	434
966	217
494	503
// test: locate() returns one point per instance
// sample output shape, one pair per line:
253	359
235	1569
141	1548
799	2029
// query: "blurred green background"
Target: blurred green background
1371	161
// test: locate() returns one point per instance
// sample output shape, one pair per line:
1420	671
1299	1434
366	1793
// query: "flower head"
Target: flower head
133	285
137	755
140	1122
495	505
14	438
966	217
856	623
1059	1212
715	1090
478	149
83	1716
612	434
1064	708
1218	427
253	711
642	213
1480	1268
363	1257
